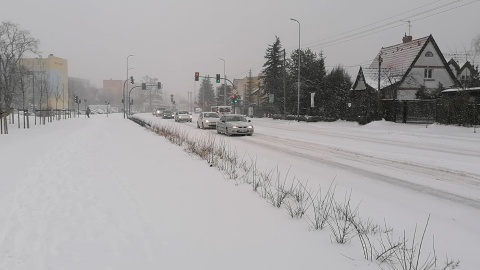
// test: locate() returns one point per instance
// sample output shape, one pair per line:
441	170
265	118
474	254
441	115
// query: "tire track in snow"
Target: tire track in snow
290	146
423	146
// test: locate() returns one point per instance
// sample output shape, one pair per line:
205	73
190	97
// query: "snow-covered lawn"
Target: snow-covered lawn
104	193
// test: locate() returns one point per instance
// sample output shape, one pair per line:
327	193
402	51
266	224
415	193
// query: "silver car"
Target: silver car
183	116
234	124
207	120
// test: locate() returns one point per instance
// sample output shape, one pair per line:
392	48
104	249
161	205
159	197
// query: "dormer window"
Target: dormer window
428	54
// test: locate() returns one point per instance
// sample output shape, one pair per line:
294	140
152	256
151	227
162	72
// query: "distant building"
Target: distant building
51	75
114	86
465	74
241	88
113	90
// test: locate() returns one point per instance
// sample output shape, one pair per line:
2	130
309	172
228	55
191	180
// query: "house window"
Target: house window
428	54
428	73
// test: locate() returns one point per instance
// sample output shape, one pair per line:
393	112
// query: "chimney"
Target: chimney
406	38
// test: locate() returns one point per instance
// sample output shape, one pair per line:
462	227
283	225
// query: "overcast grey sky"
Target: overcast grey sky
171	39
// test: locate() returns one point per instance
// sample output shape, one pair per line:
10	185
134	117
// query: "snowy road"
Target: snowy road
371	167
437	165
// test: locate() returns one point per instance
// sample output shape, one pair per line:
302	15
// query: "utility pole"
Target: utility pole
284	89
299	60
379	77
224	84
33	93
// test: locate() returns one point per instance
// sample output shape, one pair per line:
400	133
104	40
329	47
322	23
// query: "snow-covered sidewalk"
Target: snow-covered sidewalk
104	193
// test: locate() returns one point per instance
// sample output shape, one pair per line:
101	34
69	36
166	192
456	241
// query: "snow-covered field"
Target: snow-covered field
104	193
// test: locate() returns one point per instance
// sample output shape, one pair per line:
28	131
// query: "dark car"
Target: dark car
168	115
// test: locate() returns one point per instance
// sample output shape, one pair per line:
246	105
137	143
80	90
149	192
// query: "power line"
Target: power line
365	26
349	37
381	27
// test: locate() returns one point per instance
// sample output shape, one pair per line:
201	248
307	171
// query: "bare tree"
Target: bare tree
22	88
14	44
58	92
475	47
151	91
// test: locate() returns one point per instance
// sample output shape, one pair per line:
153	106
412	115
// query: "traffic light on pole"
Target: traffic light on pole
197	76
159	85
131	80
218	78
144	86
76	99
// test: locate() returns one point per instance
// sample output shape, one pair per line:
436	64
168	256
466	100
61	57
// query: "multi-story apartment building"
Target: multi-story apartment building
50	81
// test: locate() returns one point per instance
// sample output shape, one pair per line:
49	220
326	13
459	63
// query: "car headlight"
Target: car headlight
234	127
250	127
206	121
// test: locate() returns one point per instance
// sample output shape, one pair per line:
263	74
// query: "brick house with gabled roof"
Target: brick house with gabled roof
406	68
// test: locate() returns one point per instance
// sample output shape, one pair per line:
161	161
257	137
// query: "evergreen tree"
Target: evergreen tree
312	80
338	83
219	96
272	72
206	95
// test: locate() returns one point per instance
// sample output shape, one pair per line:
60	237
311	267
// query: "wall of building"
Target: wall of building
54	72
57	76
416	77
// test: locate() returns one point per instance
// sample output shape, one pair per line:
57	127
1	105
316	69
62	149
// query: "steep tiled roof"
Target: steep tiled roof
398	58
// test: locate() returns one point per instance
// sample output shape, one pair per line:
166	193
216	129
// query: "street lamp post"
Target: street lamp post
124	98
298	90
33	92
224	84
194	96
107	104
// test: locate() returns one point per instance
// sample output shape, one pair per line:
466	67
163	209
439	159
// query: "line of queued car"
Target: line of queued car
165	114
228	124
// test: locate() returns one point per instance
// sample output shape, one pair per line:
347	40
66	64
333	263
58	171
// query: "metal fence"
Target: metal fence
450	111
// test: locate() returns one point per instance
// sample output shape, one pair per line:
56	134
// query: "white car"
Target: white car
207	120
234	124
183	116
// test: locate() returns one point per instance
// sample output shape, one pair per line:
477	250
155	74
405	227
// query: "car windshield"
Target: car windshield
167	112
236	118
214	115
182	112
